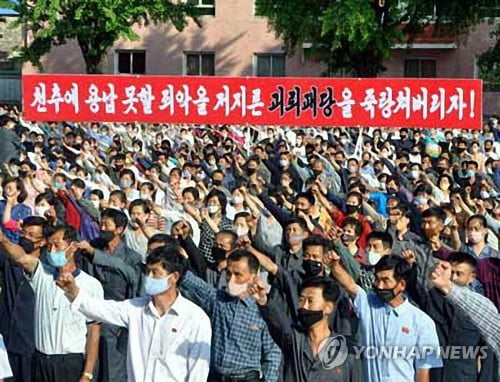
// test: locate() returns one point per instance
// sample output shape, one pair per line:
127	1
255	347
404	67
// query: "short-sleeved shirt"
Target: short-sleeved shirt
405	326
58	329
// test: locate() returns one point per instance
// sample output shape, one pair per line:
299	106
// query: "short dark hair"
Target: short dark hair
242	214
121	195
36	221
70	233
118	217
462	257
384	237
232	234
358	227
314	240
78	183
162	238
395	263
192	190
307	195
97	193
436	212
296	220
47	196
170	258
128	172
140	203
239	254
357	195
330	290
480	218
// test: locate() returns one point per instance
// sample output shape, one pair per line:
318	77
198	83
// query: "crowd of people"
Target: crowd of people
162	252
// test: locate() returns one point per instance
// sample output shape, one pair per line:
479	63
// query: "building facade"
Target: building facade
235	41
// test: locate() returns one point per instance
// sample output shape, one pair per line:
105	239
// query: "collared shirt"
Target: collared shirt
241	342
286	259
486	253
58	330
405	326
300	365
119	272
174	347
481	312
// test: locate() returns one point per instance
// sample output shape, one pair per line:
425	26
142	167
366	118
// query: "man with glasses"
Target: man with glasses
17	302
66	343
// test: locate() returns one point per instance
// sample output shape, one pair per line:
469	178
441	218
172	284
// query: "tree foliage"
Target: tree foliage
94	24
489	62
357	35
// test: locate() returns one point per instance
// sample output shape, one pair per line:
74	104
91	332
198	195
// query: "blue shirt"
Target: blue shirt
404	327
381	203
19	212
241	342
486	252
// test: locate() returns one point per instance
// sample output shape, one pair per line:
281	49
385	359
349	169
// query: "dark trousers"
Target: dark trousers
57	368
21	367
253	376
112	355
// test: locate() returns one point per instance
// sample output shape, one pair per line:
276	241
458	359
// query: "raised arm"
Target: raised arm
16	253
344	279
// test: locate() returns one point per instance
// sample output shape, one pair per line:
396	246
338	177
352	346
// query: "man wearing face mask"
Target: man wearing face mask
242	348
301	340
118	164
169	335
17	302
452	328
224	244
387	318
476	235
66	343
119	269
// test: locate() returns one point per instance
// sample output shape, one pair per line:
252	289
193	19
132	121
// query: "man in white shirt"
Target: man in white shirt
66	342
169	337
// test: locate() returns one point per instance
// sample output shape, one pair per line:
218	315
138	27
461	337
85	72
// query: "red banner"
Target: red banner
391	102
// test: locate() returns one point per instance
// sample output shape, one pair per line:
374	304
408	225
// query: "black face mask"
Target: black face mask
217	182
317	173
27	245
350	209
22	174
251	171
460	150
118	167
102	242
308	318
385	295
312	268
348	238
218	254
391	191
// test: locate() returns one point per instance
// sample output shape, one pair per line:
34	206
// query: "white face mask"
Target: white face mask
96	204
144	196
241	231
373	257
213	209
41	210
238	200
237	290
485	195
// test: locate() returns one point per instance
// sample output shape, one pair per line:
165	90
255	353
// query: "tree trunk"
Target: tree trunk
92	60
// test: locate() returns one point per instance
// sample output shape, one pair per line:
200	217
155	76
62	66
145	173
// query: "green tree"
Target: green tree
489	62
94	24
357	35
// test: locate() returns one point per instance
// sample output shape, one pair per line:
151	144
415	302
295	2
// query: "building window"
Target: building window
199	64
7	64
420	68
270	65
131	62
204	7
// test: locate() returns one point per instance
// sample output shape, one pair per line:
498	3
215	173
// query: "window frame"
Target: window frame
420	59
131	53
200	62
271	55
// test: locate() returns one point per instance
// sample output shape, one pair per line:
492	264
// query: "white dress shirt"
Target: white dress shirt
5	370
58	330
174	347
